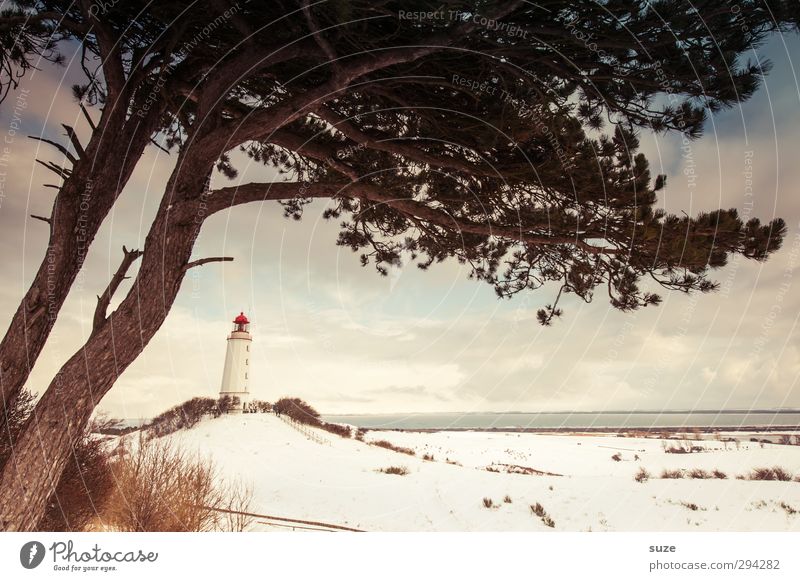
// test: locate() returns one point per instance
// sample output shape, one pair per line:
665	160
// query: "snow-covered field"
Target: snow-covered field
338	480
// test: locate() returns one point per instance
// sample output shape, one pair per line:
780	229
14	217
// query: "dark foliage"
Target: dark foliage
298	410
183	416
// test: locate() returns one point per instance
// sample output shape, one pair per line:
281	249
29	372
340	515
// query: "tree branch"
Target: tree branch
203	261
130	256
58	146
76	143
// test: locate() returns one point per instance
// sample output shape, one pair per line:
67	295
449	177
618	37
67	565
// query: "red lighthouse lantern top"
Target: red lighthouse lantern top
241	323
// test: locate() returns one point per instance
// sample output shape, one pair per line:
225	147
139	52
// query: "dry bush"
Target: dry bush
185	415
699	473
617	457
488	502
161	487
298	410
717	473
681	447
539	511
790	510
774	473
398	470
671	473
691	506
83	489
507	499
337	429
641	475
389	446
428	457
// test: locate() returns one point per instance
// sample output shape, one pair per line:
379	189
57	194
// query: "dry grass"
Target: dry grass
389	446
398	470
161	487
507	499
539	511
617	457
774	473
790	510
488	502
641	475
671	473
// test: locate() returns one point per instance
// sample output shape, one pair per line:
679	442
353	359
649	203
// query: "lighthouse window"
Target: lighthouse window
245	375
247	362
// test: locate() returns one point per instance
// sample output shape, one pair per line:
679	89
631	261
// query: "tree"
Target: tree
135	70
297	409
227	403
505	178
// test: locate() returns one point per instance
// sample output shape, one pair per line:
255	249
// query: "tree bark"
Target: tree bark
79	209
31	473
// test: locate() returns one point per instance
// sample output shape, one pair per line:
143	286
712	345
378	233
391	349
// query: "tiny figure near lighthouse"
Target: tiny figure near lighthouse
235	375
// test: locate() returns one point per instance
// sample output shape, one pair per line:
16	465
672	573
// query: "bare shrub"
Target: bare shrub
717	473
398	470
671	473
184	416
641	475
617	457
389	446
691	506
338	429
681	447
161	487
428	457
539	511
298	410
507	499
699	473
488	502
790	510
226	404
774	473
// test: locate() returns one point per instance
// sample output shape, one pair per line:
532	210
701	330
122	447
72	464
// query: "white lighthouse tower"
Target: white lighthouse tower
235	376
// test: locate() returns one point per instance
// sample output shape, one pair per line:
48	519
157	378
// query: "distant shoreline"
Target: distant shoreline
603	430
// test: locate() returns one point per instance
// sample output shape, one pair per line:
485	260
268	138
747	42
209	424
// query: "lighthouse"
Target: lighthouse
235	375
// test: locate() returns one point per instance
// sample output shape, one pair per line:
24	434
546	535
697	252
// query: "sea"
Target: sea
716	419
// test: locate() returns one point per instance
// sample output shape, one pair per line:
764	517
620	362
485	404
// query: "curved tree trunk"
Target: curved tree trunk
31	473
79	209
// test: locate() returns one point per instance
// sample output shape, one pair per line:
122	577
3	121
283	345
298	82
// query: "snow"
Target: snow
338	481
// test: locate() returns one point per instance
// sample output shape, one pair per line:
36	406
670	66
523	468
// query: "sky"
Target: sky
349	341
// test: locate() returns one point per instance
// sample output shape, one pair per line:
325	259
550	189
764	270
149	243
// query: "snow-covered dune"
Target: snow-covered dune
339	480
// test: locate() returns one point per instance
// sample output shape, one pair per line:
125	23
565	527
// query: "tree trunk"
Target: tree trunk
79	209
31	474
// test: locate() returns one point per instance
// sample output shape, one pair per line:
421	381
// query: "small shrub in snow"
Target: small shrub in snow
428	457
617	457
790	510
699	473
398	470
488	502
507	499
672	473
690	506
641	475
389	446
774	473
539	511
717	473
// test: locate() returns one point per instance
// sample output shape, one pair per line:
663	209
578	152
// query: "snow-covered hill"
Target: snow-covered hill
339	480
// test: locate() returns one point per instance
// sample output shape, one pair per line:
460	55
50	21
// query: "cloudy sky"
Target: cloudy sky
349	341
